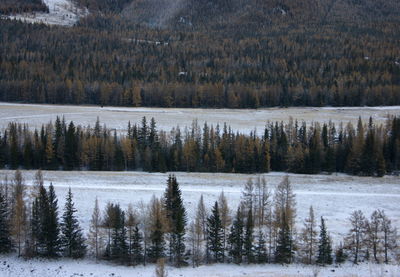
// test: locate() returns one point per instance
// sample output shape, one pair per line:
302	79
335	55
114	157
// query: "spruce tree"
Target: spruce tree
215	234
324	247
52	242
72	241
137	248
283	252
119	247
261	254
248	237
5	235
176	216
235	239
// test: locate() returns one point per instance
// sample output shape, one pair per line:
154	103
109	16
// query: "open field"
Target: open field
241	120
333	197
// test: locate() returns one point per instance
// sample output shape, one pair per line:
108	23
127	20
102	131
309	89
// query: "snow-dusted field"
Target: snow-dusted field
61	12
13	267
242	120
333	197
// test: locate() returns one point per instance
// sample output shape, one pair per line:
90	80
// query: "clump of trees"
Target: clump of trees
367	149
262	229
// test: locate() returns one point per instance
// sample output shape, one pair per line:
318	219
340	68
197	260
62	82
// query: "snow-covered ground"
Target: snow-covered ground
243	120
61	12
333	197
14	267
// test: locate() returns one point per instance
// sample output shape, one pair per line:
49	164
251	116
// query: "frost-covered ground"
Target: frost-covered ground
14	267
61	12
242	120
333	197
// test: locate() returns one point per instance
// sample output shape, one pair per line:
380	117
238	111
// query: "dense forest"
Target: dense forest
262	229
367	149
208	54
8	7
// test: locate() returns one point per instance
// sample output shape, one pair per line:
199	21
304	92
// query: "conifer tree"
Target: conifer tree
137	248
72	241
284	252
53	231
157	230
119	247
235	238
215	234
5	234
248	237
324	246
261	254
176	216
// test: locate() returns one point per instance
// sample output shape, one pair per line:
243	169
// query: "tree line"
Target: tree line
125	64
261	230
366	150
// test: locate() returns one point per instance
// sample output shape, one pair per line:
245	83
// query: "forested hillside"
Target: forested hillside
209	54
21	6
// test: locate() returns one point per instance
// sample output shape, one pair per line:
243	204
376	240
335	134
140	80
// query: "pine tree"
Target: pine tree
214	234
157	229
5	235
176	216
248	237
324	246
53	231
235	239
284	252
136	248
340	256
119	247
261	249
72	241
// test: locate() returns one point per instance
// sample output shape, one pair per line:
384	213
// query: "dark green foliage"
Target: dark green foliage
235	238
5	235
119	247
283	251
176	216
72	241
136	250
248	247
157	247
214	235
261	255
324	246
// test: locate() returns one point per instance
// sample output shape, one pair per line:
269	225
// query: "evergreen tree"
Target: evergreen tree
53	242
5	235
119	247
72	241
284	252
176	217
248	237
324	247
261	249
137	248
235	238
214	234
157	247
